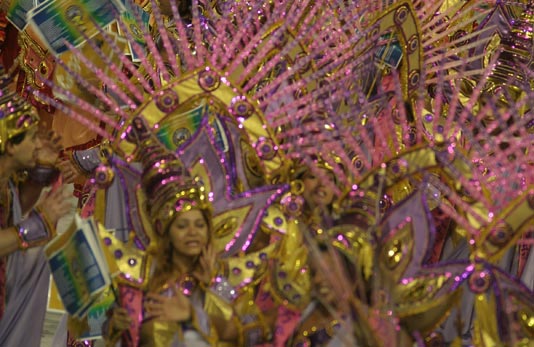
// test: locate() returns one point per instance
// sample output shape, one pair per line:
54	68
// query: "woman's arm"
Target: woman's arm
119	321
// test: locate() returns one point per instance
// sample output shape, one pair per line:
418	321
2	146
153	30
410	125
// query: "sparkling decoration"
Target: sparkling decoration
265	149
241	108
414	78
187	285
224	290
501	234
180	136
292	205
103	176
480	281
167	100
250	264
420	112
118	254
401	15
208	80
413	44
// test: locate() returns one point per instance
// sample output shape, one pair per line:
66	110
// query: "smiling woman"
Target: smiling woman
189	234
179	306
177	294
186	255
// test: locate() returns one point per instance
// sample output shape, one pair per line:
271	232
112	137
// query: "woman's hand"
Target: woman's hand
119	320
207	261
176	308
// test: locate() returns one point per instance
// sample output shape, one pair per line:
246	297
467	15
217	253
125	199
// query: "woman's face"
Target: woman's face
189	233
318	188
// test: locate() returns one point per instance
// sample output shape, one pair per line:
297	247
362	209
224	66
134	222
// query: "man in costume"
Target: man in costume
27	160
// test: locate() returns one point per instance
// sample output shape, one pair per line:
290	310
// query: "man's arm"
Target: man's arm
9	241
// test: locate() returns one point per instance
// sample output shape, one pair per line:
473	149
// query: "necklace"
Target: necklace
186	284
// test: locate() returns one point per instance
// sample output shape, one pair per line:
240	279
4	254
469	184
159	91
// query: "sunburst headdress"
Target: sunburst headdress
262	76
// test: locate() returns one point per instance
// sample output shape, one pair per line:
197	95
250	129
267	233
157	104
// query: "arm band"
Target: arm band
33	231
87	160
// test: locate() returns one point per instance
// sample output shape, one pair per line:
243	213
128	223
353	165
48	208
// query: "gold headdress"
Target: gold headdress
16	115
166	182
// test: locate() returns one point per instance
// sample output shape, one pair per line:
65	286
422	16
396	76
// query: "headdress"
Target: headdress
267	74
16	115
166	182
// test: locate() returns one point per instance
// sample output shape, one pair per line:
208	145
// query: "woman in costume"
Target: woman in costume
318	184
174	302
327	319
313	190
179	306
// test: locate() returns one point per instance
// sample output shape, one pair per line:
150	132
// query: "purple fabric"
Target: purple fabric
27	281
88	159
122	210
32	229
528	274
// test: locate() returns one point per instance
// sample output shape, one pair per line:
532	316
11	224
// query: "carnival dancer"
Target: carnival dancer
327	320
180	308
27	165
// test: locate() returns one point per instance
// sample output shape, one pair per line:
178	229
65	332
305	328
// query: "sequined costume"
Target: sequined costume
229	283
24	273
298	80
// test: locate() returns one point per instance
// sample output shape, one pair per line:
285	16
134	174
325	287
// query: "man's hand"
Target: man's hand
69	173
48	154
56	204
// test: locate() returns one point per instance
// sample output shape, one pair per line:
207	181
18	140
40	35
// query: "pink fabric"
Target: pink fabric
132	300
286	319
